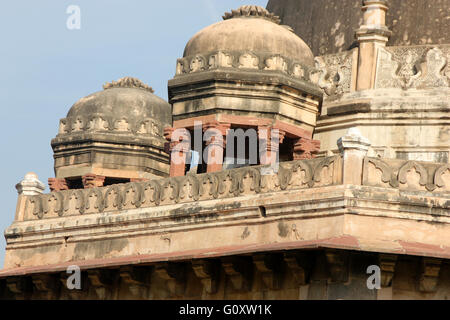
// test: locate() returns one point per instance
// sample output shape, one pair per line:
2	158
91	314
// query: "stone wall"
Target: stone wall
328	26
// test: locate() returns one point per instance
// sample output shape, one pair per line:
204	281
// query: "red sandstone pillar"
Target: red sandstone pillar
215	135
179	147
305	149
269	146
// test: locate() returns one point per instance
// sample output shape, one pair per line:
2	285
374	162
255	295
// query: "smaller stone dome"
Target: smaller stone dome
123	105
251	29
117	133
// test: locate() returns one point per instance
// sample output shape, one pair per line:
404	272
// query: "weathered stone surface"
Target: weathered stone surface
118	131
328	26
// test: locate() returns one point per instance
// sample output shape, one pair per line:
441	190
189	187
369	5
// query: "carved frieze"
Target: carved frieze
334	73
244	61
416	67
411	175
107	123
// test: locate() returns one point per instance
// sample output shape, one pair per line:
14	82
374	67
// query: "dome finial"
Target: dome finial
127	82
252	11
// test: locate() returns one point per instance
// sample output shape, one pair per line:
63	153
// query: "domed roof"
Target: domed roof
127	99
251	29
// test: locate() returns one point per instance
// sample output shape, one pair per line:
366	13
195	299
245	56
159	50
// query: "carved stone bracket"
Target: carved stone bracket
238	271
270	268
300	266
136	280
305	149
45	284
101	281
387	265
16	286
208	272
175	275
429	276
337	265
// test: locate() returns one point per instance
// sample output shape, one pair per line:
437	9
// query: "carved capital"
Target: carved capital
305	149
374	22
56	184
179	139
215	129
93	181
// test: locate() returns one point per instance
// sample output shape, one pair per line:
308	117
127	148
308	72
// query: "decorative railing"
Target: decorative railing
224	184
407	175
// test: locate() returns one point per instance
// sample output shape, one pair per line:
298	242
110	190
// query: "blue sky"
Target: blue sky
45	67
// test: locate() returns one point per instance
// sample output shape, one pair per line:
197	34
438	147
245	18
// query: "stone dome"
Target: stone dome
127	100
251	29
113	135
